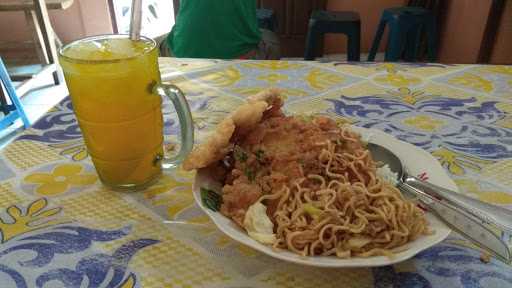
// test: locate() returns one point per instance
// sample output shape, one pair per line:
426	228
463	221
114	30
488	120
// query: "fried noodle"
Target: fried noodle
365	218
321	190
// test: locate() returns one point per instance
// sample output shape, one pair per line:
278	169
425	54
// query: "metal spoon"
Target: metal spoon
474	219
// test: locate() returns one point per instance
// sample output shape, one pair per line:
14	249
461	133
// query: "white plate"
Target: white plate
416	161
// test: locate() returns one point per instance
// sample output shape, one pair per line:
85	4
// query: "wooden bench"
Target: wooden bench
36	22
44	38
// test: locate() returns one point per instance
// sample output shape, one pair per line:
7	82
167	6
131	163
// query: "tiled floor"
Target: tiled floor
36	103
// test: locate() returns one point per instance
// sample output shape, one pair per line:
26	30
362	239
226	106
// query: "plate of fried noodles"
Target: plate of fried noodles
305	189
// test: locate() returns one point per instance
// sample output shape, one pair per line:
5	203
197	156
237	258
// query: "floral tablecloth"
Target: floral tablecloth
61	228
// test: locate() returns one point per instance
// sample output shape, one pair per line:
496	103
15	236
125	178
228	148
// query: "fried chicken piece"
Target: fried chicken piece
236	125
268	95
214	149
289	143
237	198
288	148
247	116
273	98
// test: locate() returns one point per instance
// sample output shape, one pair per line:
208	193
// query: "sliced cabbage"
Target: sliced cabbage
258	225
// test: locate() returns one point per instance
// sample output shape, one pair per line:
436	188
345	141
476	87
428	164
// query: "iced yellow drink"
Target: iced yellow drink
110	80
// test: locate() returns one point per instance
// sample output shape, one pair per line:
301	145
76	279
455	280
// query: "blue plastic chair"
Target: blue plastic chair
266	19
15	110
406	25
344	22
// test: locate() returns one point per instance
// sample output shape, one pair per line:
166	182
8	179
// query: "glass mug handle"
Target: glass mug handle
186	124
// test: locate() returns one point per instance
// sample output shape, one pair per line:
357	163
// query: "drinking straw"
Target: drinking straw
136	19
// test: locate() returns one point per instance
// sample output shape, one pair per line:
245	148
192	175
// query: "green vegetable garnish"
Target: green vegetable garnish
312	210
211	199
239	154
259	154
251	175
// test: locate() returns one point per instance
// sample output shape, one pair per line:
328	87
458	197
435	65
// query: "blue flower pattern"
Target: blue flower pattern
470	127
435	268
65	254
57	126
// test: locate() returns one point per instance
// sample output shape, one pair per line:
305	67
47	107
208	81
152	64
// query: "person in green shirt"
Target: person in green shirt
221	29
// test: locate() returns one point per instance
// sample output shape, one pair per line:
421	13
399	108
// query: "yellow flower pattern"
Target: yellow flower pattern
321	80
214	88
175	195
224	78
129	282
494	197
36	216
397	80
318	106
408	96
224	241
76	149
273	78
424	122
273	65
498	172
60	179
472	81
500	69
505	107
505	122
390	68
456	163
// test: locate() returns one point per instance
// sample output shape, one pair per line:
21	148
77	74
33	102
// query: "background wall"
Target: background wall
460	37
84	17
463	25
463	30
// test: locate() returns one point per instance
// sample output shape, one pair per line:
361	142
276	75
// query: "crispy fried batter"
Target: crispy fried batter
248	115
266	95
214	149
241	121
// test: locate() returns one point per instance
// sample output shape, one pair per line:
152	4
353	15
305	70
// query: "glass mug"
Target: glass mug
116	90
